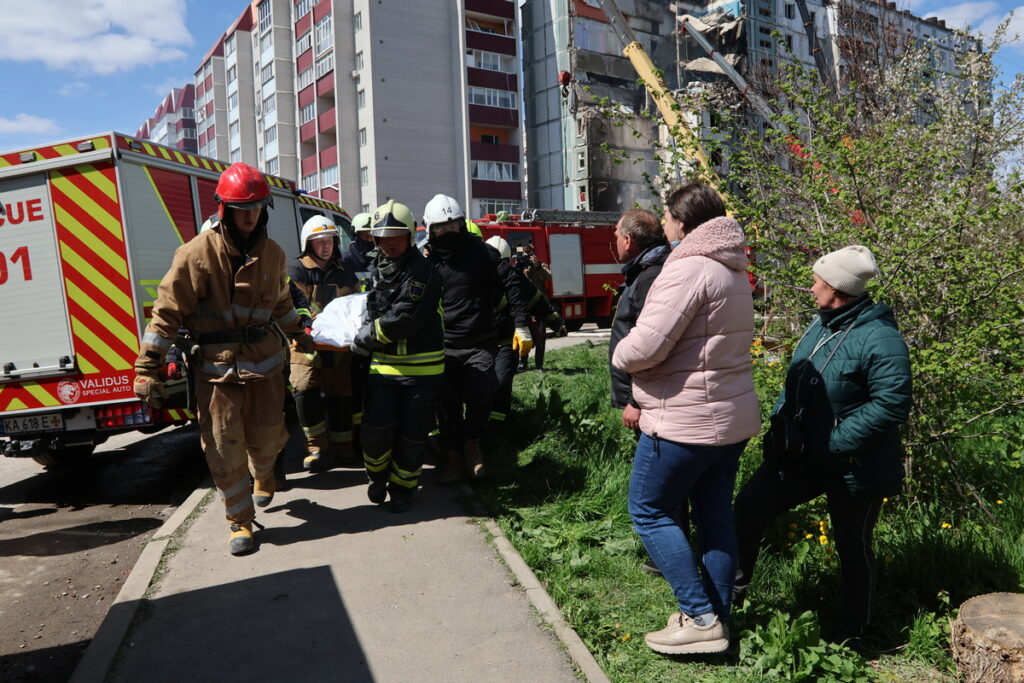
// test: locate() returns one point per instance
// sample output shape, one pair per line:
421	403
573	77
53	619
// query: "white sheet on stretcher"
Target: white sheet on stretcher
339	322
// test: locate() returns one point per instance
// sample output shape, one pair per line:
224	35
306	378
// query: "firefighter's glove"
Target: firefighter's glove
303	343
522	342
364	342
150	390
173	370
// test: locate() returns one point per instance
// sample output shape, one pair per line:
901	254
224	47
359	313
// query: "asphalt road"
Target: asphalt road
68	539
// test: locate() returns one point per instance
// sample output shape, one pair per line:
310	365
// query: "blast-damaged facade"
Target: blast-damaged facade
574	72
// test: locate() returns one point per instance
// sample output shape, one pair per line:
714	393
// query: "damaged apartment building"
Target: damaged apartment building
575	74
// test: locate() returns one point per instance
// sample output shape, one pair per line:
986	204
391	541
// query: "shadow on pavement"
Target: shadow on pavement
55	663
77	538
288	626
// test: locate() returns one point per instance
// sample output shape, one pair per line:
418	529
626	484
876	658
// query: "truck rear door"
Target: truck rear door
35	339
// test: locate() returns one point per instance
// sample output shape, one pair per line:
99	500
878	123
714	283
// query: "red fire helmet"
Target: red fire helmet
242	187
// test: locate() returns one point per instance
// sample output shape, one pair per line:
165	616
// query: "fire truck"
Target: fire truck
580	248
87	231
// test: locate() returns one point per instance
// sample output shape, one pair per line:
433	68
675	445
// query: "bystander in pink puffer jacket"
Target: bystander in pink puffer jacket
689	354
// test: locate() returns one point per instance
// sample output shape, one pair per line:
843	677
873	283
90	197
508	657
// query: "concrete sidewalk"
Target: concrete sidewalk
339	589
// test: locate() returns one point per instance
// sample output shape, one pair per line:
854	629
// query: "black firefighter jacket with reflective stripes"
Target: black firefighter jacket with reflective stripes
473	290
322	286
404	307
204	293
537	305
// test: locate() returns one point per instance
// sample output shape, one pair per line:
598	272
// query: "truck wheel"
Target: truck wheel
574	324
65	457
603	322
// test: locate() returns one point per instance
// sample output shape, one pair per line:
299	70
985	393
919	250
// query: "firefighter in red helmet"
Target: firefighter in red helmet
228	288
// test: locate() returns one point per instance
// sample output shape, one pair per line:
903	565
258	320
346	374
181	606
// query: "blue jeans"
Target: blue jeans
665	474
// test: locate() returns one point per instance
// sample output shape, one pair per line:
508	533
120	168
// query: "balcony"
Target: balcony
307	131
309	165
496	117
327	121
485	151
485	78
325	85
493	8
304	61
329	157
497	190
306	96
490	42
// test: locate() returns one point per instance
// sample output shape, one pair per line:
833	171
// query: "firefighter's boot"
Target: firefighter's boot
240	541
344	455
377	491
452	469
280	479
263	491
474	461
319	458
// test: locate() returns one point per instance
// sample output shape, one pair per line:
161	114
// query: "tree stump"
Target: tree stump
988	639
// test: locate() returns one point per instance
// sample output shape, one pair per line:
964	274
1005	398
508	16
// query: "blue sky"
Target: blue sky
75	67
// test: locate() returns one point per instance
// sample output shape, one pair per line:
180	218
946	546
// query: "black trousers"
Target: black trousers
540	336
398	414
505	362
768	494
467	395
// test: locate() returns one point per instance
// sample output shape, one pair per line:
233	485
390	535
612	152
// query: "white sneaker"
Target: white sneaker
683	636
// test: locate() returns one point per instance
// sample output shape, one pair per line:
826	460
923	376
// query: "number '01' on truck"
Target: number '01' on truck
88	228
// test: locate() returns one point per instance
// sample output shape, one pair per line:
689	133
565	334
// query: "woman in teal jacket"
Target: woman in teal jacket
849	386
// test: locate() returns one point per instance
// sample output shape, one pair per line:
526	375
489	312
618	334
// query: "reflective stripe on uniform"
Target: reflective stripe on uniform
240	506
261	368
357	418
376	464
410	365
404	478
410	358
406	370
380	333
242	485
339	437
251	313
315	430
551	316
498	416
219	315
288	318
535	299
153	339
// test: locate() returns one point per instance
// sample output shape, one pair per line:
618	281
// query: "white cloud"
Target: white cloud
93	36
165	87
27	124
75	89
966	14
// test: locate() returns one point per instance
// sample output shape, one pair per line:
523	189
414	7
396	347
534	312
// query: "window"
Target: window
492	61
273	166
269	104
229	46
490	139
323	34
324	64
489	97
359	60
302	8
307	113
267	73
305	78
357	21
365	209
266	41
790	11
788	39
499	28
186	113
232	74
233	101
498	205
236	154
500	171
270	135
264	12
233	130
364	176
304	42
309	182
362	137
329	176
360	99
189	133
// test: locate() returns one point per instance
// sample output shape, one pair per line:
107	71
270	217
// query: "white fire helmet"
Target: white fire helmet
441	209
501	245
207	225
315	228
362	221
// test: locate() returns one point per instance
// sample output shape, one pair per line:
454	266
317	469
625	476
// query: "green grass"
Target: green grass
557	484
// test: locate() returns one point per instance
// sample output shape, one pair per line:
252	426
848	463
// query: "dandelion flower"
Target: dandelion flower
823	539
885	500
947	525
627	637
809	536
999	502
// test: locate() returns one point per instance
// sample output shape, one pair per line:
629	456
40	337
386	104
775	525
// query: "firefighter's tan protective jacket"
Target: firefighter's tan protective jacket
200	293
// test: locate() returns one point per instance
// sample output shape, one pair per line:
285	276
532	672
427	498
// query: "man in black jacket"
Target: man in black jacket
473	290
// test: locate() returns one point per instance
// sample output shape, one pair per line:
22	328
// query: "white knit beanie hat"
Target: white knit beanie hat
848	269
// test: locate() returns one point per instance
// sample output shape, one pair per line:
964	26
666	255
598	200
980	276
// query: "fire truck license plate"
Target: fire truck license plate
34	423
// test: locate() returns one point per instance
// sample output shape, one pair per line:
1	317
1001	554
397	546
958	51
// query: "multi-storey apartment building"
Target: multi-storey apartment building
394	103
173	124
579	159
